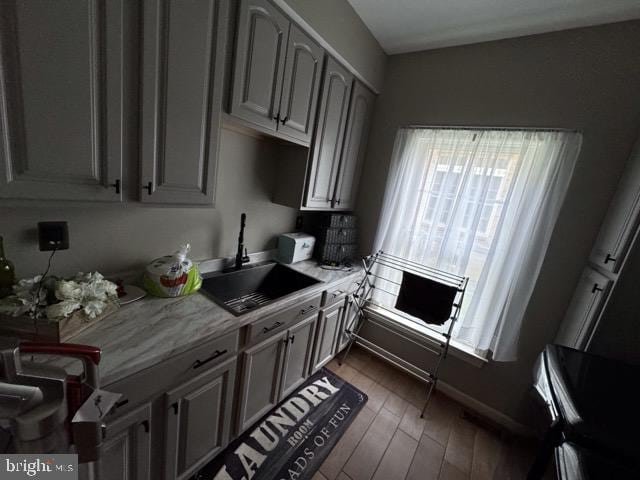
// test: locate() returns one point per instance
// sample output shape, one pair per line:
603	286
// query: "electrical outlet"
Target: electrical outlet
53	236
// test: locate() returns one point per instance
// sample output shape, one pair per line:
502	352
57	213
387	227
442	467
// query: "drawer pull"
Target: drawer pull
268	329
122	403
337	294
596	288
310	308
199	363
609	258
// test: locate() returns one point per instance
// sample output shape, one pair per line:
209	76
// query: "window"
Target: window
479	203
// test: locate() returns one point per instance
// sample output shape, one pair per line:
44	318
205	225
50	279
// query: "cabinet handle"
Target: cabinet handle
145	425
338	201
337	294
284	120
175	408
116	185
310	308
609	258
268	329
596	288
122	403
292	338
148	187
277	117
199	363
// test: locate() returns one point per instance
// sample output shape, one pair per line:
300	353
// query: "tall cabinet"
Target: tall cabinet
617	236
62	105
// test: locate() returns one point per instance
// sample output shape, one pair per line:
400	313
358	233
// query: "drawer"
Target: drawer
142	386
338	292
282	320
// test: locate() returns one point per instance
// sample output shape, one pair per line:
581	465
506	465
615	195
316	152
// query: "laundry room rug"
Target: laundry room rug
293	439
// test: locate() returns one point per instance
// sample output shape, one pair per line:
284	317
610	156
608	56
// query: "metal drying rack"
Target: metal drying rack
375	266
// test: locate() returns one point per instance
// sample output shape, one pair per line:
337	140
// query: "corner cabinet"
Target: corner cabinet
327	144
277	70
62	105
181	94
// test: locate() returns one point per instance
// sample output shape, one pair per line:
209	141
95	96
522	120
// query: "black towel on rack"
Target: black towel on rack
426	299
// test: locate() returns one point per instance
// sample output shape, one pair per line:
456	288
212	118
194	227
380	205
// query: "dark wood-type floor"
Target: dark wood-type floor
389	441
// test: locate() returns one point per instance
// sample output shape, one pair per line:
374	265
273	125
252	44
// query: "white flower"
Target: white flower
68	290
94	308
62	309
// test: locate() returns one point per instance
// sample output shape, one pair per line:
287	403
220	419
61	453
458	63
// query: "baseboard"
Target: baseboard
485	410
464	399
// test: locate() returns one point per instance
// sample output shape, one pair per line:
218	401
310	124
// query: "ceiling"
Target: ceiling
411	25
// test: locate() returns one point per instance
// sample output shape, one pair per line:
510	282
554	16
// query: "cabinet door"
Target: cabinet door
585	308
61	99
298	356
302	75
125	451
198	419
261	373
261	44
327	142
355	144
621	221
182	73
349	321
327	337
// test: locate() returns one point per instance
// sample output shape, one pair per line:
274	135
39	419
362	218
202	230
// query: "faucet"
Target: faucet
240	258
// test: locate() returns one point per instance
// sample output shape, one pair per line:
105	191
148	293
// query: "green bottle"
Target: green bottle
7	274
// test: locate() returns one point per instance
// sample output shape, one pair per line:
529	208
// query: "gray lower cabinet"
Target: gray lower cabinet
277	72
182	75
298	355
329	322
261	372
62	105
327	142
355	144
198	419
126	450
348	322
273	368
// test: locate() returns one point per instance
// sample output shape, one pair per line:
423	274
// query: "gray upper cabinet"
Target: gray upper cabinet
298	355
198	419
126	447
327	143
277	72
302	75
259	62
355	144
61	99
621	222
181	96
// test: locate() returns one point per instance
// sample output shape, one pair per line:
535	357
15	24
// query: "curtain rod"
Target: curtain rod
455	127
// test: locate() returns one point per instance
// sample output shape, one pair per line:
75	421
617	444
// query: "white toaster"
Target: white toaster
295	247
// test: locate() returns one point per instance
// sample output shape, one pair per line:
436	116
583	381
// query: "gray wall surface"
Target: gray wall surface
338	23
584	79
121	238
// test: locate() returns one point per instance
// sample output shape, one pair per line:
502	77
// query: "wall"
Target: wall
117	238
585	79
342	28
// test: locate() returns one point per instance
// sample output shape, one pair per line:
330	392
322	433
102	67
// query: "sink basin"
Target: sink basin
254	286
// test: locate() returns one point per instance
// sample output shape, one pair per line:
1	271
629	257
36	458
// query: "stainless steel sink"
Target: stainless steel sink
240	291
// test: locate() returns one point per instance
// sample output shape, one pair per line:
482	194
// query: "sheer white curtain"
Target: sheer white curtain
480	203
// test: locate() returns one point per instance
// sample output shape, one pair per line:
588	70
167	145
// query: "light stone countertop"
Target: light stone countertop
148	331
